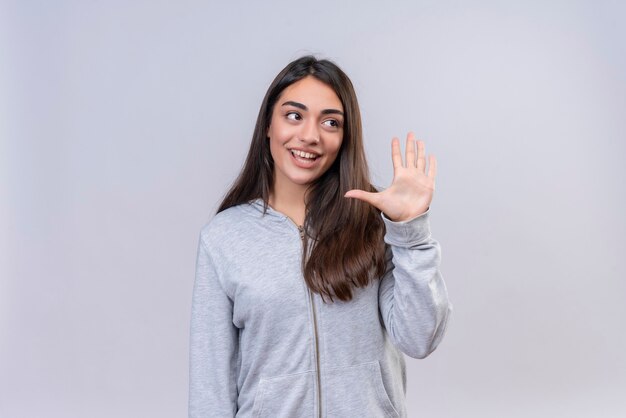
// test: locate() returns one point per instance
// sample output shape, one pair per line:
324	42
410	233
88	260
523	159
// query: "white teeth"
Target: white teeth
303	154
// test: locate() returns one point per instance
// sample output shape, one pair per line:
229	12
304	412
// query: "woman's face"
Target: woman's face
305	133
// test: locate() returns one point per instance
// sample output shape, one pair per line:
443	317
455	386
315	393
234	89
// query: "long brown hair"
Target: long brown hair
344	236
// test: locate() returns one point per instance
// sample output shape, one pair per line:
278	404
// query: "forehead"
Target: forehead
312	93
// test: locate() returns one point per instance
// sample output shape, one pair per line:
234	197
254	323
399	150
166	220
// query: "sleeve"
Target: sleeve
213	345
413	298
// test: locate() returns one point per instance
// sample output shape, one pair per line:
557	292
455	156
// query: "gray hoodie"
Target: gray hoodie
263	345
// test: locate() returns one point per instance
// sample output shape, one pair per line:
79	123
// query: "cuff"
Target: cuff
407	233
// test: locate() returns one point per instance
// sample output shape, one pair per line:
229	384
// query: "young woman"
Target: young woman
310	284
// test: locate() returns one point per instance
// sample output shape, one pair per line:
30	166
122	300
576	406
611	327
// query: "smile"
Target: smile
305	156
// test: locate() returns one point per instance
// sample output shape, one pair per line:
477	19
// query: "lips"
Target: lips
304	156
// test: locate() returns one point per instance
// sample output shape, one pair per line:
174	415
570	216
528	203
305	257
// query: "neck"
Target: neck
289	200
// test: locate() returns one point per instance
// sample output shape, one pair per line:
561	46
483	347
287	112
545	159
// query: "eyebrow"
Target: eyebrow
303	107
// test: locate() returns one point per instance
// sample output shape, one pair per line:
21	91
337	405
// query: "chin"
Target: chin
304	182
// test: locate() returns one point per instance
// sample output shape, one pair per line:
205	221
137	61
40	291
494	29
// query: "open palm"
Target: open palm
412	188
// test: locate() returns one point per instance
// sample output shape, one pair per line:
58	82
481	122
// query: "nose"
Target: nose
310	133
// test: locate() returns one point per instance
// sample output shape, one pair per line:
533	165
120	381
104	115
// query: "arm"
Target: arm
413	299
213	345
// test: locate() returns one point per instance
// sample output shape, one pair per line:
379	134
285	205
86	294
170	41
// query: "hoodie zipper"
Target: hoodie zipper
317	351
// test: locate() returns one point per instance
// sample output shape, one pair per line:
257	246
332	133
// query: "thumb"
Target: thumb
371	198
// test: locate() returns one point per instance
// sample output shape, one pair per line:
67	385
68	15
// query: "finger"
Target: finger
396	154
421	157
432	166
371	198
410	150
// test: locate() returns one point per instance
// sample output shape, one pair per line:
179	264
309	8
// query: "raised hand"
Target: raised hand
412	188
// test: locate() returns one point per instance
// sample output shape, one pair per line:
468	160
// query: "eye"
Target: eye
293	116
333	123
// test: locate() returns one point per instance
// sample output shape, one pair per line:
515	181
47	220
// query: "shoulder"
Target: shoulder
222	222
229	225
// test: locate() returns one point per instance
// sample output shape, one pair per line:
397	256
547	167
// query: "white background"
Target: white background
123	123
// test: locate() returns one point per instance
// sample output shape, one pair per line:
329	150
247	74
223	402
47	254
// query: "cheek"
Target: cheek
279	134
336	146
274	139
274	148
